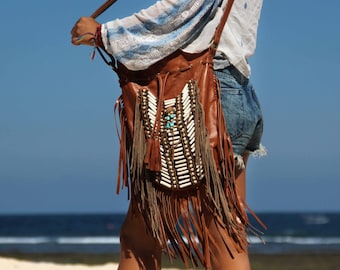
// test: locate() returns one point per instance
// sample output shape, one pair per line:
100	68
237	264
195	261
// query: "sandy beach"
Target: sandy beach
109	262
14	264
60	262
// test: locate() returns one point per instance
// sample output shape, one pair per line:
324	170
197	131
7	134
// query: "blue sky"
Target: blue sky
58	144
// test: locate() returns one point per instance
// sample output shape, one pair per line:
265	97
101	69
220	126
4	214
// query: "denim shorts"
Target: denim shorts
242	112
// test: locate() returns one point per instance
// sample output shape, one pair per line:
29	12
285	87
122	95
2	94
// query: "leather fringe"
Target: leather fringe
176	218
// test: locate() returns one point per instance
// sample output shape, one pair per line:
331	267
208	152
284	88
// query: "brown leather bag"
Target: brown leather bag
175	153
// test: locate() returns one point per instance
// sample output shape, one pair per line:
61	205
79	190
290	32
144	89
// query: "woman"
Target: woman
148	36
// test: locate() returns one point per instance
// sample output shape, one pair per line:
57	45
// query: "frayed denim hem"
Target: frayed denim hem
239	161
262	151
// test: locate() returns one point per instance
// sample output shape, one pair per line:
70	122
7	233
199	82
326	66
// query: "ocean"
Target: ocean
99	233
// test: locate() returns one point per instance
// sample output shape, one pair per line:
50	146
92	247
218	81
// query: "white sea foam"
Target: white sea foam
297	240
60	240
316	219
103	240
24	240
88	240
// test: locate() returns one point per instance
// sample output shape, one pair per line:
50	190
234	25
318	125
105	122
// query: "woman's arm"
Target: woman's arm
151	34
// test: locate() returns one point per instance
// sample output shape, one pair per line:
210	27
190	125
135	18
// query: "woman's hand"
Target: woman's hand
84	31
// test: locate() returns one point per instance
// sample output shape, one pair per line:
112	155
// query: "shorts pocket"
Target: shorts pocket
233	108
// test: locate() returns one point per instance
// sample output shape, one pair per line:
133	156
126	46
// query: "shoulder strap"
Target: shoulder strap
221	25
102	8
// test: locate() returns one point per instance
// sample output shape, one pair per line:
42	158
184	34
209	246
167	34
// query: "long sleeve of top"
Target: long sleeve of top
142	39
145	37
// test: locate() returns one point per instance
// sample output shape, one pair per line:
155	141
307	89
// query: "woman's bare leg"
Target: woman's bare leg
222	260
139	250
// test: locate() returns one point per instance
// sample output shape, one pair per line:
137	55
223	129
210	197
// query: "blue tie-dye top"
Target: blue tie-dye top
151	34
146	37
